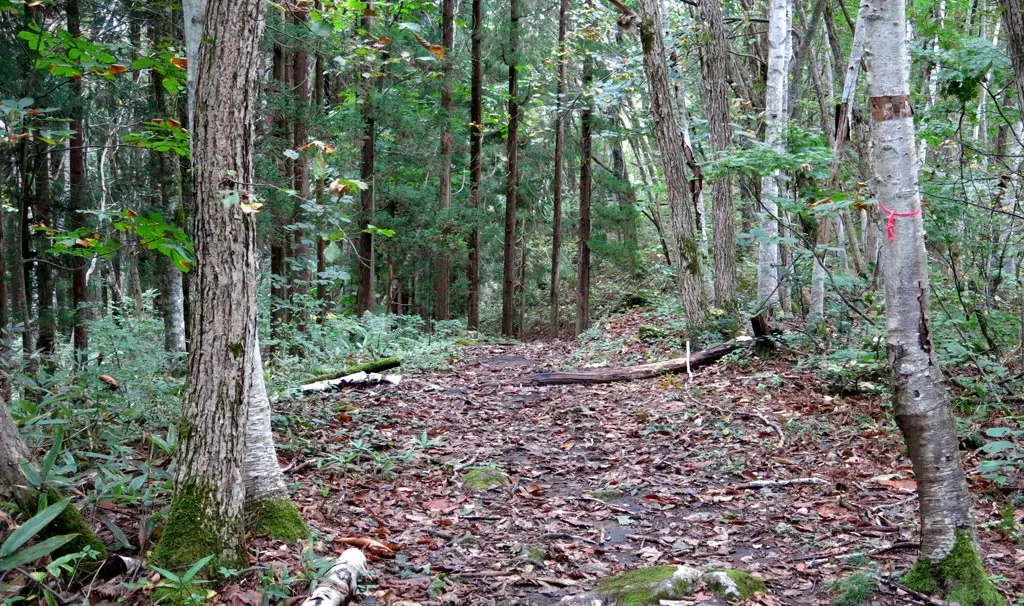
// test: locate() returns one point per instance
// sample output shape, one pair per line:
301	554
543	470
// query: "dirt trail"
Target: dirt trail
606	478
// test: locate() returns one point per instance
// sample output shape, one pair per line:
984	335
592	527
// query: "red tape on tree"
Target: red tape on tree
891	223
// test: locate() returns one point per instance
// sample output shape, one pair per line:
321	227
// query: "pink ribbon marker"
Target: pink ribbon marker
891	224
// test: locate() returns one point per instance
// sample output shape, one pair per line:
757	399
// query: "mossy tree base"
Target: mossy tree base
960	577
70	521
193	532
279	519
483	478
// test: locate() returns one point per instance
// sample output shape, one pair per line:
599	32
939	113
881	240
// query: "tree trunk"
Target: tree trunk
15	487
476	175
921	406
365	297
207	509
802	53
77	184
586	191
780	47
1013	23
42	214
556	229
169	187
300	274
280	310
715	64
685	256
512	177
442	287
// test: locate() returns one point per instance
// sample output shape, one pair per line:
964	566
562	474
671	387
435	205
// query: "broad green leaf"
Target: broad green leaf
33	553
32	527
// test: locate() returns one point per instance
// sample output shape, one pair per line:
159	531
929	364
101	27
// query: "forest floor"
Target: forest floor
611	477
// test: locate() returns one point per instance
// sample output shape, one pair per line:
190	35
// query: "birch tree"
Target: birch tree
780	50
949	561
207	509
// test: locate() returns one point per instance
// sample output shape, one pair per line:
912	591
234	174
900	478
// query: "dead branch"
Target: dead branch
780	483
643	371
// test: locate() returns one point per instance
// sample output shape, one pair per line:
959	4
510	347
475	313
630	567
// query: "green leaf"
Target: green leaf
31	528
997	447
194	570
1001	432
51	456
33	553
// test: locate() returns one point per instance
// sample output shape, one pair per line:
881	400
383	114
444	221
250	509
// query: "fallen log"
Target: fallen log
643	371
341	582
353	380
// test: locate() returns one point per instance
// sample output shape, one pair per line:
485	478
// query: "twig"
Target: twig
896	504
927	599
604	503
778	483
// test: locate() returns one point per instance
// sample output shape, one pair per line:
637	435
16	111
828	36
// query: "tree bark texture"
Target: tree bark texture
300	269
442	287
714	65
512	177
366	298
685	256
586	195
922	408
780	49
78	202
1013	24
556	229
476	174
207	508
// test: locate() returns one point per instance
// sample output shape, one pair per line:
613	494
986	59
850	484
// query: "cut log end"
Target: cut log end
341	582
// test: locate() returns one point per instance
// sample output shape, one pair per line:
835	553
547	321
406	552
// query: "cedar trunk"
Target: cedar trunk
556	228
442	289
476	133
207	508
512	176
586	190
365	297
76	185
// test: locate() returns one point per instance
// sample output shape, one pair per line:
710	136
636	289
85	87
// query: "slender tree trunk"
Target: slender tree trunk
77	184
207	509
476	175
803	52
556	229
715	64
586	190
300	274
365	297
4	295
27	264
512	176
685	255
169	187
780	47
42	214
280	310
844	128
442	290
921	406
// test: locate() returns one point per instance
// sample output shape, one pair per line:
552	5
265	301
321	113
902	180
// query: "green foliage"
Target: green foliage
960	577
184	590
855	589
188	537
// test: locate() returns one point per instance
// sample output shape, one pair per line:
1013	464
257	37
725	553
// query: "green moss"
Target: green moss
236	350
607	494
374	366
188	537
466	342
960	577
530	553
746	584
70	521
483	478
278	518
645	586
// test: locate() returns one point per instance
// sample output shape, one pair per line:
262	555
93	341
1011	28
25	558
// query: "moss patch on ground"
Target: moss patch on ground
960	577
746	584
374	366
646	586
484	478
279	519
188	538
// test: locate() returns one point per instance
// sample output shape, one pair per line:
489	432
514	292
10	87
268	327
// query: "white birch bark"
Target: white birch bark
341	582
922	409
780	51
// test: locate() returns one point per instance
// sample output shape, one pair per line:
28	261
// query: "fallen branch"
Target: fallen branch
779	483
357	379
740	413
643	371
341	582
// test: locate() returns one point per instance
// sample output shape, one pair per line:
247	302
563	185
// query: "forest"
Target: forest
512	302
